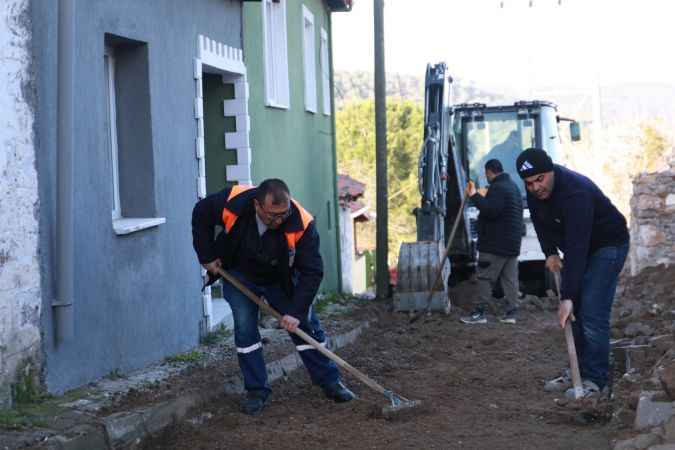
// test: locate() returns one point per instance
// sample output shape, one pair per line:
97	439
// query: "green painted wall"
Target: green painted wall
293	144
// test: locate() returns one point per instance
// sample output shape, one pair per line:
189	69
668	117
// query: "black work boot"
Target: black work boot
254	402
338	392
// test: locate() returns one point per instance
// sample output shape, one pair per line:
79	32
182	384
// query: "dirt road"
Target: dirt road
481	387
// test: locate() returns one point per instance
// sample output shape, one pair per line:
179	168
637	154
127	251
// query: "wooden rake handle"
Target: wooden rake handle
304	336
571	348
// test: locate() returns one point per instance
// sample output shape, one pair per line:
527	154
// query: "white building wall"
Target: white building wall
347	249
20	296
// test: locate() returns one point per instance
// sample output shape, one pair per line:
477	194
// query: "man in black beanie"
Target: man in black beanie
571	214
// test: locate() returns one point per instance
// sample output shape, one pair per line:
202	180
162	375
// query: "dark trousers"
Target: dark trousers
592	312
322	370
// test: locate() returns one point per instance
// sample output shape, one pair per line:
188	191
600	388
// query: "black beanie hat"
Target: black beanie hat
533	161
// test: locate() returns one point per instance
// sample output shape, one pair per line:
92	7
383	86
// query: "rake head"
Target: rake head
398	404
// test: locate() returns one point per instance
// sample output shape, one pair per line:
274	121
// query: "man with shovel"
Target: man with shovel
500	232
270	244
571	214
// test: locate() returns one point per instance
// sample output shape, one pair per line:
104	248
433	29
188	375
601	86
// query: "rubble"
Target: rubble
643	350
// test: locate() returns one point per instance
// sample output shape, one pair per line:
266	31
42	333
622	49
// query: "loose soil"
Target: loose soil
480	387
216	364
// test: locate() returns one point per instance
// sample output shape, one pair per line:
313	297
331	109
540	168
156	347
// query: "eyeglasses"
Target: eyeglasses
277	217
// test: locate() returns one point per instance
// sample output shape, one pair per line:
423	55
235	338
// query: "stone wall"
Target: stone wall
20	296
653	219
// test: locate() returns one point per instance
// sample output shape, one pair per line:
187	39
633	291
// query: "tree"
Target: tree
355	124
655	147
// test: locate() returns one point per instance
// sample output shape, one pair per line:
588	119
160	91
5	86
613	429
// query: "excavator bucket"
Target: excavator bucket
418	264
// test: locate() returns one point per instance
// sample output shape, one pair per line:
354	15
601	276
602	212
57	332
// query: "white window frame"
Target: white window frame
109	67
275	53
325	73
121	225
309	59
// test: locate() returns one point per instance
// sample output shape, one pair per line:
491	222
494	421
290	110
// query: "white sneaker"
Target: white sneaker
476	317
560	384
587	388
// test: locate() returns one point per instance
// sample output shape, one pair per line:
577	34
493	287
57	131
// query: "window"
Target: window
309	59
275	53
325	72
109	63
129	135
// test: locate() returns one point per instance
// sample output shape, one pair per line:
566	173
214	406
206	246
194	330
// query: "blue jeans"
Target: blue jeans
321	370
592	312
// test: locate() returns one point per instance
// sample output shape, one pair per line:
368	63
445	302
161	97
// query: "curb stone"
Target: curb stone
127	429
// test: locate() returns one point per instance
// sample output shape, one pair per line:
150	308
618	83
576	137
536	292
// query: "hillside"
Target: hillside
619	104
351	86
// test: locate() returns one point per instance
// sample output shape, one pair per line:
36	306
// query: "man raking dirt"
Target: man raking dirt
270	248
269	244
571	214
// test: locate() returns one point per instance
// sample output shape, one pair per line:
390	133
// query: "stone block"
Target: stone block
662	447
652	413
124	428
240	173
649	202
670	201
160	416
237	139
83	437
650	235
639	442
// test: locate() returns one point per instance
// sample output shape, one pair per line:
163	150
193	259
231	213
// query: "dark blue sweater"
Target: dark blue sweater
578	219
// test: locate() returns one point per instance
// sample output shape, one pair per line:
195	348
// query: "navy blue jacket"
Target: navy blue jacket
500	224
300	270
578	219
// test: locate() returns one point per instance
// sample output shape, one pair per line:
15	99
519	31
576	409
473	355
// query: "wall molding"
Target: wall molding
215	57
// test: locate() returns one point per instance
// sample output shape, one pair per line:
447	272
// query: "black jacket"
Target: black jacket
500	224
578	219
300	271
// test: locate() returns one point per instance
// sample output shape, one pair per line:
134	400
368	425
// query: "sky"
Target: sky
577	43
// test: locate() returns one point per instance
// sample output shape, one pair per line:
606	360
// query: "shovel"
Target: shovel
396	402
571	348
439	271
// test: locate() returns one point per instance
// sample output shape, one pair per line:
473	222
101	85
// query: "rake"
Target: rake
396	402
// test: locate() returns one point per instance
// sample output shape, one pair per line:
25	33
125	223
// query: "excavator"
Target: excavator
458	141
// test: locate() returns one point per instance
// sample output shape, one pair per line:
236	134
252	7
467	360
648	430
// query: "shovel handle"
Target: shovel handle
574	362
441	264
571	348
304	336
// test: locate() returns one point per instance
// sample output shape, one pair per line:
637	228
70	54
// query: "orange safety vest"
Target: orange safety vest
292	237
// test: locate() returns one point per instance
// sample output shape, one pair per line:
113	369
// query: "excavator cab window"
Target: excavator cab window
499	135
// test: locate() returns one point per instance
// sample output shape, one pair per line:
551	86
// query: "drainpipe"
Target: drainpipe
62	305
